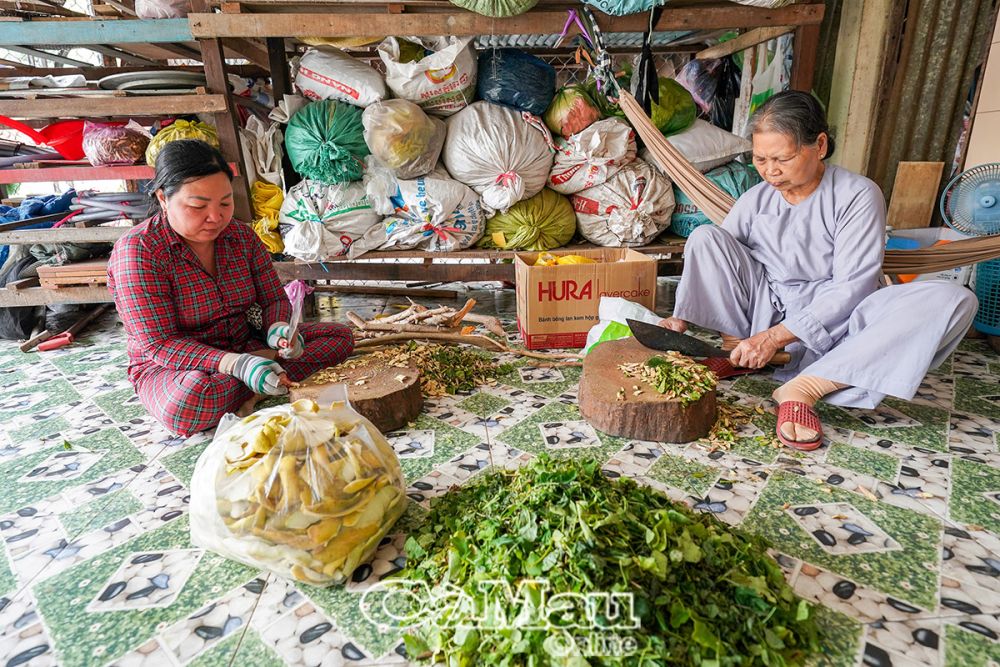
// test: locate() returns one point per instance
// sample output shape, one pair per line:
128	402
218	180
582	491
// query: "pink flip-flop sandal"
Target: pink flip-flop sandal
723	368
800	414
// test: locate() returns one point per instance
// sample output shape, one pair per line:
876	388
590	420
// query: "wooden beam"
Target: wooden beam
804	62
63	235
744	41
253	52
81	33
113	107
715	15
227	123
41	296
914	195
437	271
120	55
94	73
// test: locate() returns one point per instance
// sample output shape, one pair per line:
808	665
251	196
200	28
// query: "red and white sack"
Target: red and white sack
329	74
631	208
592	156
503	154
442	82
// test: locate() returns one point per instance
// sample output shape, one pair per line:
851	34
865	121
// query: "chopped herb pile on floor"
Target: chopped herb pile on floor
703	593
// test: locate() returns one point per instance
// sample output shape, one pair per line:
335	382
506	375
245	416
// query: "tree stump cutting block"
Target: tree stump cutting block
648	416
388	396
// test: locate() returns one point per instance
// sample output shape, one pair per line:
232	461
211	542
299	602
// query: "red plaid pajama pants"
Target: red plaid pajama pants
190	401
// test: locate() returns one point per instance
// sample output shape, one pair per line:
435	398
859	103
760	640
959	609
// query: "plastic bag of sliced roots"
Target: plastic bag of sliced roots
593	156
305	490
631	208
403	138
319	221
503	154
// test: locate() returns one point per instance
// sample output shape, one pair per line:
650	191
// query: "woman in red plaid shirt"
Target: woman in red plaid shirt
183	282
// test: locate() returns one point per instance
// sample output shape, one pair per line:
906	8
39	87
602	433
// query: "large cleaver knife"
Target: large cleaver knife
658	338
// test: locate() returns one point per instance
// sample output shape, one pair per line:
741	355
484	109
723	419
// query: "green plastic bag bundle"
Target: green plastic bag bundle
496	8
675	112
571	111
735	178
542	222
325	142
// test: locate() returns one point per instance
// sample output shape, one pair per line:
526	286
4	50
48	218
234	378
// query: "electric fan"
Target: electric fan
970	204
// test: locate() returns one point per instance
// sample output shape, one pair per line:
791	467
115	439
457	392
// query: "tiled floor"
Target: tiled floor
893	526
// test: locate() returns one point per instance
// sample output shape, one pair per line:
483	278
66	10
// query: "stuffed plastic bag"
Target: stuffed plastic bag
675	111
592	156
436	73
500	153
320	221
496	8
266	200
433	213
516	79
623	7
114	144
162	9
715	86
631	208
735	178
329	74
403	138
326	142
180	129
571	111
613	311
304	491
543	222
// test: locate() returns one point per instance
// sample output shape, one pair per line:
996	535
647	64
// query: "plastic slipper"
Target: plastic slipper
800	414
723	368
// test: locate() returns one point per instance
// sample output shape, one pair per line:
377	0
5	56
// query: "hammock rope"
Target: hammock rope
715	204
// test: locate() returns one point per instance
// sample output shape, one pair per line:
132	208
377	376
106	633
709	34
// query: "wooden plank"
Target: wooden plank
94	73
17	224
76	268
24	283
63	235
289	271
39	296
804	63
714	15
668	245
415	292
744	41
72	281
112	107
252	51
915	194
138	172
95	32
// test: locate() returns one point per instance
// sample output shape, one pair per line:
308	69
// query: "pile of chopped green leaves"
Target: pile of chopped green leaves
704	593
675	376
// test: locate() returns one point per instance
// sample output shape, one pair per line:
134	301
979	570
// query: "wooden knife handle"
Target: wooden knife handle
780	358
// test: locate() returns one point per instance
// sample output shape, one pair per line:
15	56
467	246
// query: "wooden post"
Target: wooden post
281	85
227	123
804	47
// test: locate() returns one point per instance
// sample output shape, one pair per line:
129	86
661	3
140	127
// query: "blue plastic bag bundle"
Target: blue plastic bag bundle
735	178
516	79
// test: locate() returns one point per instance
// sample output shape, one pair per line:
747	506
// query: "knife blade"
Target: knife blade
659	338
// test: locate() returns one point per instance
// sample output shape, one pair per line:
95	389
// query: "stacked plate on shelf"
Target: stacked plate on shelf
165	82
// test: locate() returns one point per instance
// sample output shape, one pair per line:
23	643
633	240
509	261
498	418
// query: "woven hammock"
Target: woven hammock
715	204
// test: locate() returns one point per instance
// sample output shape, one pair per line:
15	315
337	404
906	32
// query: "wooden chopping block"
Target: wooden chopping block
389	397
648	416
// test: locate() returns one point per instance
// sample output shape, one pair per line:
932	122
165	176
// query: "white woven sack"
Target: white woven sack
442	83
592	156
631	208
328	74
503	154
705	146
433	213
325	221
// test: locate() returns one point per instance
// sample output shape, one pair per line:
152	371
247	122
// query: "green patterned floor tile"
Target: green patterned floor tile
40	429
13	379
963	648
117	453
86	638
931	434
880	466
547	389
449	442
12	357
527	437
483	404
758	449
115	404
681	473
840	637
100	512
8	582
908	573
971	396
91	358
755	385
969	482
344	607
245	649
181	464
115	376
37	398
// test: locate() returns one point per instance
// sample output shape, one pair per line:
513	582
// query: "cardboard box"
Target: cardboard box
557	305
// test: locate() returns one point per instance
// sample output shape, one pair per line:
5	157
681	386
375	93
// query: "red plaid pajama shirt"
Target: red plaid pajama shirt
180	321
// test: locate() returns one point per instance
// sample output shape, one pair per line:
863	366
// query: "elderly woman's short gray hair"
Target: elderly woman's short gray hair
795	114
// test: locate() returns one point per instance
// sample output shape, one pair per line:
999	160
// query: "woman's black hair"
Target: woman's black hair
182	161
796	114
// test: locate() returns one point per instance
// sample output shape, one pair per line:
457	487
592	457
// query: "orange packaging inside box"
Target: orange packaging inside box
557	305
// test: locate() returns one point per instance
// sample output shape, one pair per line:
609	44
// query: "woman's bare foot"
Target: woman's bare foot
674	324
248	406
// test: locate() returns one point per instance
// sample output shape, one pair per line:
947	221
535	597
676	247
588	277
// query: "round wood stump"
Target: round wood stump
648	416
389	397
